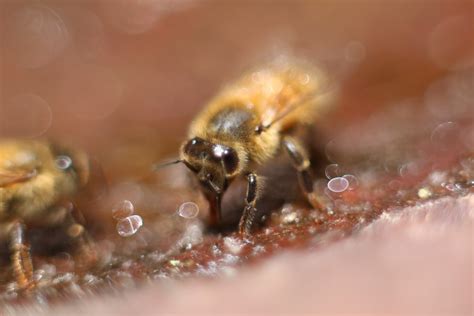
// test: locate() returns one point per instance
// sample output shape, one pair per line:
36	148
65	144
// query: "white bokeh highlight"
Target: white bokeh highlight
34	36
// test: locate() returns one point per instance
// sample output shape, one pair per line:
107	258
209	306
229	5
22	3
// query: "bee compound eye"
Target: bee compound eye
63	162
194	147
230	160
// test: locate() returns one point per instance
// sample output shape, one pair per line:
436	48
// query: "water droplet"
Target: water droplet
449	186
188	210
123	209
353	182
129	226
332	171
338	184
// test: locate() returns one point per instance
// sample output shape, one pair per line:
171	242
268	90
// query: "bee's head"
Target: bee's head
73	163
214	164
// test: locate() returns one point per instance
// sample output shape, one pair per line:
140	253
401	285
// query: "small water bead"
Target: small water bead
353	182
338	184
332	171
122	210
188	210
449	186
129	226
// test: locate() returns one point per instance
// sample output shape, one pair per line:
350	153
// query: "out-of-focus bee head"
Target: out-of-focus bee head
214	164
73	163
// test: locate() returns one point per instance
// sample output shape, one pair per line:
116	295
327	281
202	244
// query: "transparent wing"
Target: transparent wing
299	95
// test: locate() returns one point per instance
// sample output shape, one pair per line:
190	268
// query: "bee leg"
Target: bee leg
215	216
87	251
300	160
249	212
21	257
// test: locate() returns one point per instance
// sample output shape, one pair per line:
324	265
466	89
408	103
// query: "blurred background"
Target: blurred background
122	79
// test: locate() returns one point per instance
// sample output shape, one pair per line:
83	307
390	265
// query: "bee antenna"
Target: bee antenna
159	166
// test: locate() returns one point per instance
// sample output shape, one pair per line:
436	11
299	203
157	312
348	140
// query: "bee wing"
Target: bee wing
300	101
9	177
277	113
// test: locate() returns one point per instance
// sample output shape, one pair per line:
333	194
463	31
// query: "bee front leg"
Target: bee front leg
87	252
300	160
21	257
249	212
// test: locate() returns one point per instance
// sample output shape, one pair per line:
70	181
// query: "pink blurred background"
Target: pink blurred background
122	79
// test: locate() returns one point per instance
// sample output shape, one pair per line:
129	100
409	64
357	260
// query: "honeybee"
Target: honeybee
250	122
35	177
